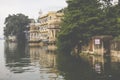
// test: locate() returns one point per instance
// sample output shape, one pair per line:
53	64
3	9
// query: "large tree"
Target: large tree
16	25
84	19
80	17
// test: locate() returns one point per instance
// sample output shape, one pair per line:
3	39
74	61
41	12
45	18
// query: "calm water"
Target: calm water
20	62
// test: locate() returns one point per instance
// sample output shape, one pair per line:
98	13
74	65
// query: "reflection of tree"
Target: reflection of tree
19	60
14	55
113	67
74	68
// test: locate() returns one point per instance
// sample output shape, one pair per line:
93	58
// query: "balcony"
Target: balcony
53	27
54	21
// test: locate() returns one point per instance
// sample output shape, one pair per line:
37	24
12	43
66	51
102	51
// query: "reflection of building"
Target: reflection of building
103	65
115	62
115	59
51	47
97	63
45	59
34	53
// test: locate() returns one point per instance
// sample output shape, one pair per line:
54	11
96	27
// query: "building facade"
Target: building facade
46	29
50	25
34	34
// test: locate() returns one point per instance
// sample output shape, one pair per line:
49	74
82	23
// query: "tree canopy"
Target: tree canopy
86	18
16	25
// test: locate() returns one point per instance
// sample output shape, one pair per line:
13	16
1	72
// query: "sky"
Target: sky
29	8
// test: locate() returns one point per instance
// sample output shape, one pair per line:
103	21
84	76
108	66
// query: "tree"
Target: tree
111	19
81	17
16	25
84	19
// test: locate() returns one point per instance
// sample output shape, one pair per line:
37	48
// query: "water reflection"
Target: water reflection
97	63
73	68
46	61
16	58
36	63
26	61
107	68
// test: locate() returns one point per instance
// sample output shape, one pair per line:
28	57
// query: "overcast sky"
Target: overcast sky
27	7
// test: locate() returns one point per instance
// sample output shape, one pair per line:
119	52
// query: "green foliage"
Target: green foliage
80	17
16	25
84	19
117	38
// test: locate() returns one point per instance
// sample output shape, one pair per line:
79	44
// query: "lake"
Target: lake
21	62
